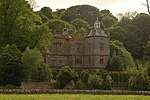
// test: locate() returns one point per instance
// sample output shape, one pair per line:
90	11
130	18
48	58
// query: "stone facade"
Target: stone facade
79	51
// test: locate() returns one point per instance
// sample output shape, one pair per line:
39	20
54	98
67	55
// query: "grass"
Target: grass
71	97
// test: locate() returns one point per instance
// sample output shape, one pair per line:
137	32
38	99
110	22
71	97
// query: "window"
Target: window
57	47
97	25
78	47
78	60
89	46
101	60
101	46
90	61
53	62
60	62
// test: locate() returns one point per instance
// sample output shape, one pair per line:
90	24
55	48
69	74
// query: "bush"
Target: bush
138	82
95	82
85	76
80	85
65	76
107	83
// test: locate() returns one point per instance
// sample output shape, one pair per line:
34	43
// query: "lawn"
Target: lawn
72	97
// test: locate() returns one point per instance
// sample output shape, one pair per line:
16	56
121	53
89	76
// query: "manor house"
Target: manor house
79	51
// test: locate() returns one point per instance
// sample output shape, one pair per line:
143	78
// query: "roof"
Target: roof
97	32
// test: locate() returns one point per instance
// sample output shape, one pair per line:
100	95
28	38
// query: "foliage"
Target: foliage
59	12
80	85
40	38
65	76
19	24
59	25
95	82
108	21
85	76
11	69
42	74
107	83
79	23
117	33
119	57
138	82
34	68
46	14
146	51
135	33
84	12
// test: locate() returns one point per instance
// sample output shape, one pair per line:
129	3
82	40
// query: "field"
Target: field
71	97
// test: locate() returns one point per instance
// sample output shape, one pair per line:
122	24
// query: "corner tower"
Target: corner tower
97	50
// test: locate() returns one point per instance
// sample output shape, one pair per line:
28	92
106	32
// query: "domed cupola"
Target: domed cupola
97	31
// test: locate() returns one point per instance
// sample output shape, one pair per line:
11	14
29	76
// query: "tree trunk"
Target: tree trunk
147	4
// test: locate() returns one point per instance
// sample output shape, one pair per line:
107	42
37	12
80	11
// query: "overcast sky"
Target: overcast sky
115	6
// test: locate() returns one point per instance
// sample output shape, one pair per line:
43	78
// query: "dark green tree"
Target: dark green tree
119	57
11	69
34	68
46	14
79	24
138	82
59	25
18	24
84	12
65	76
108	21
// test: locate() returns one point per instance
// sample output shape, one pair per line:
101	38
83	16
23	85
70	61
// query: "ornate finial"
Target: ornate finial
97	18
97	24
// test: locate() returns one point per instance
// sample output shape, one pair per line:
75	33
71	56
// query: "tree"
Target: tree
120	58
59	12
108	21
46	14
135	35
79	23
17	24
147	5
59	25
40	38
147	2
11	69
11	14
146	51
84	12
138	82
65	76
34	68
117	33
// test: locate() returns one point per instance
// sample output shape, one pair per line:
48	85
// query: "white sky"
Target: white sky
115	6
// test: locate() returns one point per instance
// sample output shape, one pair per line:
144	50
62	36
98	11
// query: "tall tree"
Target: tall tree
18	24
84	12
34	68
11	69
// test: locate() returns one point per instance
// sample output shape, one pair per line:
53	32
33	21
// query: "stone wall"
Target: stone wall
37	85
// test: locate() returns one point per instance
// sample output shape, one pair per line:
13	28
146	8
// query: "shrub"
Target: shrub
107	83
80	85
138	82
95	82
65	76
85	76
